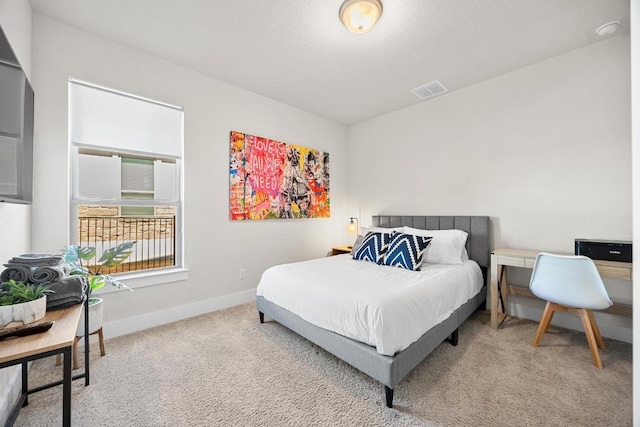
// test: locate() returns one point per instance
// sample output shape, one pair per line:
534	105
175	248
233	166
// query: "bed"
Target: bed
366	354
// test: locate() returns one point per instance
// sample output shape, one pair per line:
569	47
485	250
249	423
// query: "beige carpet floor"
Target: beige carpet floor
226	369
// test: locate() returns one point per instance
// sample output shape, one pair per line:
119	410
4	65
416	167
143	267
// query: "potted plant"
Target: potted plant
22	302
78	258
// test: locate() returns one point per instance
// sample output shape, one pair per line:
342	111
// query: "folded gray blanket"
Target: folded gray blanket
37	260
16	272
48	274
67	291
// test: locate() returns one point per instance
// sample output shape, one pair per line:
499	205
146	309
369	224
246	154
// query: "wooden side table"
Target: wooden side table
338	250
57	340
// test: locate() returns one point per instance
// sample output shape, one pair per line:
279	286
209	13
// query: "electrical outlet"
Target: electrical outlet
243	274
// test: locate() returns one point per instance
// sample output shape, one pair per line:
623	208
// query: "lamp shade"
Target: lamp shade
352	227
359	16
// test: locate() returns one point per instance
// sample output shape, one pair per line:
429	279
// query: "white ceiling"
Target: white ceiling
298	52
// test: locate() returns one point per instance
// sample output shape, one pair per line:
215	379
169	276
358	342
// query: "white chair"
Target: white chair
573	284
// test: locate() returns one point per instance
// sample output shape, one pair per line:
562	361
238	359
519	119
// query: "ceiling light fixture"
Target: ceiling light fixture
608	28
359	16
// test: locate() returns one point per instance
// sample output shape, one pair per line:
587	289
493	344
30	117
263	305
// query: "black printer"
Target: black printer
606	250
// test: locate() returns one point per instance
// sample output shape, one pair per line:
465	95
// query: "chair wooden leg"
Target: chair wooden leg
553	307
101	339
591	338
75	352
75	349
596	330
545	321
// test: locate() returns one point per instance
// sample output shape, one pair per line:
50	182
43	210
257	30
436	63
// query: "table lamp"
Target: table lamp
352	227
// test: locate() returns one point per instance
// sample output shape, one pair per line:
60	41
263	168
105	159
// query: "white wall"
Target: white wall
635	86
544	150
15	20
14	238
215	247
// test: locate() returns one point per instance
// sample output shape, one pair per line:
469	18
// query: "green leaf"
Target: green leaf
116	256
113	282
96	282
13	292
78	270
86	253
74	253
70	254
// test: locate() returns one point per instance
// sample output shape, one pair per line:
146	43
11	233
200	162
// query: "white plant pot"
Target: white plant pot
23	313
95	317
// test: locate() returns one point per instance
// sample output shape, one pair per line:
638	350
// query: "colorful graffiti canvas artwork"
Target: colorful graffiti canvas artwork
269	179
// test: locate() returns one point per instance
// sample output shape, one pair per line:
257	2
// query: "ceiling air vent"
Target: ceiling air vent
429	90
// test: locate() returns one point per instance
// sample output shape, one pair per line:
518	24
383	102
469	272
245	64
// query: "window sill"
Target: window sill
147	278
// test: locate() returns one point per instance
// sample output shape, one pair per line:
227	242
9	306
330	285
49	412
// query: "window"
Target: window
137	178
126	155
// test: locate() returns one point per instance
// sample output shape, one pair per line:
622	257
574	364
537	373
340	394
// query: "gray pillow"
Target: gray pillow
357	244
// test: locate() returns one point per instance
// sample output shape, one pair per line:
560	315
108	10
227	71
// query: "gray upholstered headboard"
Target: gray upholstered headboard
476	226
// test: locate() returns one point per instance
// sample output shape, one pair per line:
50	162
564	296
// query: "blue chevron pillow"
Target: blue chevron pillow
406	251
373	247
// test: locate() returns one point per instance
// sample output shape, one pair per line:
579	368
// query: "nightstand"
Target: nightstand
338	250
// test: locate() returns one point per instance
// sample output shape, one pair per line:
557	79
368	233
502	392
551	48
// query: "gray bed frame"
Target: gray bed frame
390	370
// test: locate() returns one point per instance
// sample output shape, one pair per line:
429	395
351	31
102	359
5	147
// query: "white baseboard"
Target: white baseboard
173	314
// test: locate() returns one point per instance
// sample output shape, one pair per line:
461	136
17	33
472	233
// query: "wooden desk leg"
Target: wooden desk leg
497	316
504	291
493	291
66	387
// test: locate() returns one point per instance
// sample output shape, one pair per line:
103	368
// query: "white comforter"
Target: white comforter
386	307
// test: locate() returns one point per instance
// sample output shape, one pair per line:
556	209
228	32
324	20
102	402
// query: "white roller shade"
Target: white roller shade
98	177
166	182
103	118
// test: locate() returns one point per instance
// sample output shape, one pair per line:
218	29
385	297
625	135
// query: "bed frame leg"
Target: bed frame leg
388	394
453	338
261	314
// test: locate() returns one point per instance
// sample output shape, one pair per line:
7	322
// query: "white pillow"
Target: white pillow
446	247
364	230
